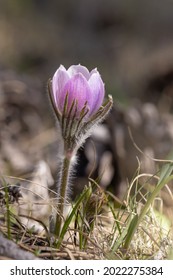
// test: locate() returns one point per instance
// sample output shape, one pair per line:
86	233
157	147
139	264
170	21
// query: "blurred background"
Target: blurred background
131	44
130	41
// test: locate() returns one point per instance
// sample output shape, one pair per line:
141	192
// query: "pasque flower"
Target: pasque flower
77	96
77	99
81	85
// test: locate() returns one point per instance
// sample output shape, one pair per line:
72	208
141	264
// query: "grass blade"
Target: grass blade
71	215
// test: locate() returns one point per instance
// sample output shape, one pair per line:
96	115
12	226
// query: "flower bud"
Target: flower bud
77	96
83	88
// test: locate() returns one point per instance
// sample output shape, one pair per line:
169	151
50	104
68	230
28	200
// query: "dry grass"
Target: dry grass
99	228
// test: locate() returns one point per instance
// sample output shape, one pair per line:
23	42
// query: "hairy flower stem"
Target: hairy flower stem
63	186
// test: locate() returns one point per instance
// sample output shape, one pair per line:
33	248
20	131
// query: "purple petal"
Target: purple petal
93	71
59	80
78	89
75	69
97	90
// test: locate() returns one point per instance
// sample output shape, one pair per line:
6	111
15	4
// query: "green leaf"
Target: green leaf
165	172
166	169
71	215
131	231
